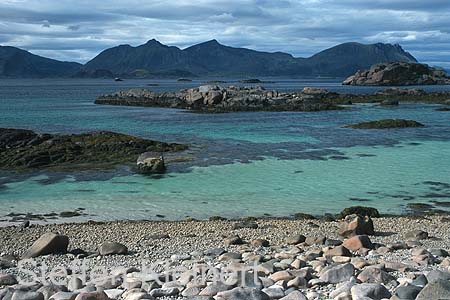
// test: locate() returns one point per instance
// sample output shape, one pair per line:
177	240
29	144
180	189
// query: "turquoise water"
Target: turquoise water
244	164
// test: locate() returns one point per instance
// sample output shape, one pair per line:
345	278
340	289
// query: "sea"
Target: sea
259	164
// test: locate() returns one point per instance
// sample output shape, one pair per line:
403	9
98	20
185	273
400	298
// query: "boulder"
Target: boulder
92	296
356	225
295	239
358	242
110	248
48	243
151	162
339	273
435	290
374	291
360	211
240	293
26	295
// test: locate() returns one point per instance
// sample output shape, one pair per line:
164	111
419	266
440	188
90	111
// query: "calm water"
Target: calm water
243	164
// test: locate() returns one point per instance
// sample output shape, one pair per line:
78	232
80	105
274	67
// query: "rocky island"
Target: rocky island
399	74
216	99
26	150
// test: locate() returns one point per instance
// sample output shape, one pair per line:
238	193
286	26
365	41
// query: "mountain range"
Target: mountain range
211	58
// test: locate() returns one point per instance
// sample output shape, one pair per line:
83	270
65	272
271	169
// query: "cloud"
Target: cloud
69	30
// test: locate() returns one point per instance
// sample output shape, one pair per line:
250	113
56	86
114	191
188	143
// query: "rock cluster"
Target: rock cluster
399	74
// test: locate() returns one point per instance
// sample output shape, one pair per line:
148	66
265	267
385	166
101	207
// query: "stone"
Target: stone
315	240
110	248
114	293
27	295
343	287
374	291
240	293
417	235
274	292
295	239
63	296
233	240
337	274
435	290
295	295
164	292
260	243
356	225
281	275
408	292
337	251
215	287
373	274
151	162
358	242
49	290
7	279
214	252
436	275
420	281
48	243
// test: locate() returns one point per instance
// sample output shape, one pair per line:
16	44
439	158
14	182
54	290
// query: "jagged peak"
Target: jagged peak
153	42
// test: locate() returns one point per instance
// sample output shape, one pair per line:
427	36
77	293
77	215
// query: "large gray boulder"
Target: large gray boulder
49	243
337	274
436	290
374	291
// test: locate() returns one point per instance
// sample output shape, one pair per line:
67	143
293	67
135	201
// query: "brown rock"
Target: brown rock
358	242
356	225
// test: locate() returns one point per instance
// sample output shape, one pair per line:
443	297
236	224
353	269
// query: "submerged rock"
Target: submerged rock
386	124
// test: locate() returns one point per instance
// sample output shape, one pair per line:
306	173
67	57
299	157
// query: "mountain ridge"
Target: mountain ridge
211	58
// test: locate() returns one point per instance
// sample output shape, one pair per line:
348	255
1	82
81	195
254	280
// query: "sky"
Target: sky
78	30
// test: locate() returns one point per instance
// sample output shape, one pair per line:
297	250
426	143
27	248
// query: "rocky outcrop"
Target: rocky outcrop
213	98
399	73
151	162
386	124
25	149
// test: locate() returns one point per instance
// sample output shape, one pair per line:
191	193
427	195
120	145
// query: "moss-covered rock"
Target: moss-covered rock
25	149
386	124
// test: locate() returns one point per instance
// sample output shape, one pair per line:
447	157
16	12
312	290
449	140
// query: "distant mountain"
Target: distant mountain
211	58
345	59
15	62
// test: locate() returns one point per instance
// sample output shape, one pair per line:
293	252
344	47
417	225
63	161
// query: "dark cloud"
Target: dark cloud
79	30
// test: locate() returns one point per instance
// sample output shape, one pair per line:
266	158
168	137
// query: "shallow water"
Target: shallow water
243	164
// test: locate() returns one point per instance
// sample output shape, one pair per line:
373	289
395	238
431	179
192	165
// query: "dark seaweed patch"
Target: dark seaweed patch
437	184
298	172
338	157
84	190
441	203
436	195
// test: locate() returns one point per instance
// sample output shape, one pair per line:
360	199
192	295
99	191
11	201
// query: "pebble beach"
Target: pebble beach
404	258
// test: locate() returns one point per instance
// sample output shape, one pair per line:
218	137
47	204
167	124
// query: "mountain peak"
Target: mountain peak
153	42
